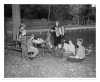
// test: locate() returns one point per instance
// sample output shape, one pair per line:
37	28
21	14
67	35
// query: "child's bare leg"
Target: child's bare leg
24	51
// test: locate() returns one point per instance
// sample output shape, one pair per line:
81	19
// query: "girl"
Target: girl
69	47
22	31
33	51
22	39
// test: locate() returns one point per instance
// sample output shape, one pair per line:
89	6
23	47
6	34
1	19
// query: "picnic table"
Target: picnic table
38	41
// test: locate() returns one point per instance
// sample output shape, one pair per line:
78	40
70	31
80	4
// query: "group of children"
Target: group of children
78	52
28	47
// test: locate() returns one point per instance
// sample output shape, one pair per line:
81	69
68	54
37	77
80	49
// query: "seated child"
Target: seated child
31	48
69	47
80	51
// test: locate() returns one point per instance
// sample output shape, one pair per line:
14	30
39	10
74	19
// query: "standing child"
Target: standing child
48	40
22	39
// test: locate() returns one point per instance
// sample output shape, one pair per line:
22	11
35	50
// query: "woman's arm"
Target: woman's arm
52	30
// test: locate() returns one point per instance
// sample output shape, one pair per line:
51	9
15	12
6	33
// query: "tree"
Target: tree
16	19
81	12
58	12
75	11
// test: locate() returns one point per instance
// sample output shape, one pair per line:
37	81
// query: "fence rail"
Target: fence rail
67	28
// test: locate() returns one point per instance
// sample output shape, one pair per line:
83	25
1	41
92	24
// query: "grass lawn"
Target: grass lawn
48	66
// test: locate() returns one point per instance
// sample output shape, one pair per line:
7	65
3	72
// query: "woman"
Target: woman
57	33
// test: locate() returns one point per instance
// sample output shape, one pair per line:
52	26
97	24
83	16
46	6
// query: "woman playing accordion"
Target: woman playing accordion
57	33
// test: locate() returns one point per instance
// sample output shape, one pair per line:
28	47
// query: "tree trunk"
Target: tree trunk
76	19
16	19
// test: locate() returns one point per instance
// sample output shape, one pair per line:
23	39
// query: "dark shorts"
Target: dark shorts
59	39
56	40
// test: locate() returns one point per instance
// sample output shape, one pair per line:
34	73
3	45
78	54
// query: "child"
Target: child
66	46
48	40
31	48
69	47
22	39
80	51
22	31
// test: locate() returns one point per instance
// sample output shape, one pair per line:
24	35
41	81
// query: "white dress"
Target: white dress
80	53
66	47
31	48
69	48
72	48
